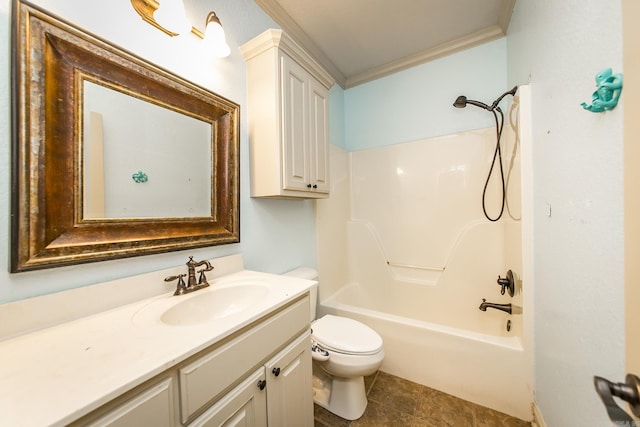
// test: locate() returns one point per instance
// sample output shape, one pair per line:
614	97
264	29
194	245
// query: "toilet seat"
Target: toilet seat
346	336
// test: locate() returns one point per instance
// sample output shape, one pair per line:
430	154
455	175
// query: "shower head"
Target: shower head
462	102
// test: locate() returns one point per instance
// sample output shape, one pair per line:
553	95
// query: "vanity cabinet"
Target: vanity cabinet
277	394
288	96
258	376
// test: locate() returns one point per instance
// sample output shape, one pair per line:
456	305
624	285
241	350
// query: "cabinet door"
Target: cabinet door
318	138
245	405
290	394
295	82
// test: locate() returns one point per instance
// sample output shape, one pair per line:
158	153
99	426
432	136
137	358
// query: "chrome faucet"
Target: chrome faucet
504	307
191	284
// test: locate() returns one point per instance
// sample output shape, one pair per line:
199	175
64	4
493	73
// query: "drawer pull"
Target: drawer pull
275	371
262	384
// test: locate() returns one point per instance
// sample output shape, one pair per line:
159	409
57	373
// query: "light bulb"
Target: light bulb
215	38
171	16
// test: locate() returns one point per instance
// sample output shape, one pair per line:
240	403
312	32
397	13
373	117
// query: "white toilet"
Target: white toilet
344	351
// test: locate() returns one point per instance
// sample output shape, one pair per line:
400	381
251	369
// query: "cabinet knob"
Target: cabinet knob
315	185
275	371
262	384
308	185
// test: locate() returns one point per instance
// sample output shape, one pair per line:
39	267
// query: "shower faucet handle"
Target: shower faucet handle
504	283
507	284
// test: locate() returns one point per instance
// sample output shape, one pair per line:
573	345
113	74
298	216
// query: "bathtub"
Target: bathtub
478	367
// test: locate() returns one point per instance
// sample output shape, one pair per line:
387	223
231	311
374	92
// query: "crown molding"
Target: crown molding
506	10
444	49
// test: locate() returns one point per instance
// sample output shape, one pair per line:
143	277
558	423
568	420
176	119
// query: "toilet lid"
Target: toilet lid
345	335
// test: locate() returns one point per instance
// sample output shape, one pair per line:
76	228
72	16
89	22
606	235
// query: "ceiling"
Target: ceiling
357	41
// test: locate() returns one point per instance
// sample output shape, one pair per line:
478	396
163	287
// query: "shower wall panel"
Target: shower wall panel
420	197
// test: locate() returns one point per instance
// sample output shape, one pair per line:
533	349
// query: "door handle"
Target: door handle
629	391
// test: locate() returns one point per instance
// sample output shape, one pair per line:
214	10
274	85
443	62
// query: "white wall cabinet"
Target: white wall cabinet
257	377
288	118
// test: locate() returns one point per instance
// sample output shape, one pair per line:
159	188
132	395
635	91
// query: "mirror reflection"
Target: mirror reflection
141	159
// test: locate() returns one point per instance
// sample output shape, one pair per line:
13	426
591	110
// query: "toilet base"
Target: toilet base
345	397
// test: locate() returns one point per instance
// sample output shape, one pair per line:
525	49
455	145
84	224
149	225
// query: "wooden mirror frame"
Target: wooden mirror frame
50	58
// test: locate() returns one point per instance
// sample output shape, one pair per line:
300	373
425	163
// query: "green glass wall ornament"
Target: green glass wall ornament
608	90
140	177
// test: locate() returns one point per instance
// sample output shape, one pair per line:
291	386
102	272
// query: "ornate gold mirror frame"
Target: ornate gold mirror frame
51	58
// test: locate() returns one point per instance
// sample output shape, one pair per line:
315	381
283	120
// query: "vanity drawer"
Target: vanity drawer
149	406
205	378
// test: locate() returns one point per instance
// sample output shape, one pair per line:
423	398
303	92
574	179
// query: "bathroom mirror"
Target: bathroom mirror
112	156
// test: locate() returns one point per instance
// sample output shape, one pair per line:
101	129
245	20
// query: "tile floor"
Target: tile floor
397	402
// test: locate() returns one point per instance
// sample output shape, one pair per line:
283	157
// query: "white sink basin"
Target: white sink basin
205	305
214	304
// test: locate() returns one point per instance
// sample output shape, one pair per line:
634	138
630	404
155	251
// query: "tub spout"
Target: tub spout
504	307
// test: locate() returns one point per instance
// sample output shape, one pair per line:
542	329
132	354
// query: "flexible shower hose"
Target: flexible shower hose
497	154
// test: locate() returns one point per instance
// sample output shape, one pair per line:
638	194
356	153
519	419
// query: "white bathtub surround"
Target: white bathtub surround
421	257
331	225
60	373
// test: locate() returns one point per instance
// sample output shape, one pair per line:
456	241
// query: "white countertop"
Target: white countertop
56	375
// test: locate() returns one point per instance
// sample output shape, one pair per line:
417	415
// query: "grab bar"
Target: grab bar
419	267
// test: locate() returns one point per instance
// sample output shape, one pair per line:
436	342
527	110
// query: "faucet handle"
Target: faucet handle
507	284
182	287
504	283
202	278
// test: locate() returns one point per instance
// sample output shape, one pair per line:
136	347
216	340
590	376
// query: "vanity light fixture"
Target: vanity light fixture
214	36
169	17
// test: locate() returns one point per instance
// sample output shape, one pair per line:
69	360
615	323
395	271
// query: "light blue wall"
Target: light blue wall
417	103
276	235
336	116
577	164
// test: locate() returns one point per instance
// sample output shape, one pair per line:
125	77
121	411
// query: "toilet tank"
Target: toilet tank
309	274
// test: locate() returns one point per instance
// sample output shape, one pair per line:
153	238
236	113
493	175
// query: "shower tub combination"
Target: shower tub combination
420	285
